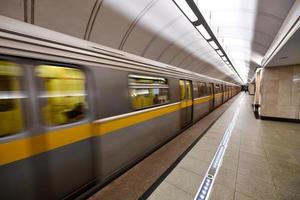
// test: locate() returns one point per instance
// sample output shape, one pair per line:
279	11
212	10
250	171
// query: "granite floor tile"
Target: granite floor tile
286	176
230	162
282	154
208	140
203	155
253	159
253	148
218	129
221	192
286	195
214	134
195	165
226	177
216	137
168	191
233	147
235	140
253	187
186	180
241	196
206	146
255	170
232	152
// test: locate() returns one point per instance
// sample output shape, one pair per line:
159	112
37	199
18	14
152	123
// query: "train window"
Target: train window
146	91
208	89
217	88
62	94
188	89
11	95
202	89
182	89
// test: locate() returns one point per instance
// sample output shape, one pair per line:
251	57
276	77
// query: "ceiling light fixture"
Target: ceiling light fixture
192	12
221	54
203	32
213	44
186	9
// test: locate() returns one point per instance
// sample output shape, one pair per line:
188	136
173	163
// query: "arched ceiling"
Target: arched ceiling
158	30
245	29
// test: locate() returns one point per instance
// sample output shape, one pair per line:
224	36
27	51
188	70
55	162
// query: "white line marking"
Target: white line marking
208	181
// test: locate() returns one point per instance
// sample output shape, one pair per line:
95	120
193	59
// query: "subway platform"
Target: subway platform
259	160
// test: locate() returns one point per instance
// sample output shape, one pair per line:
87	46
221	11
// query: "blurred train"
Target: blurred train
75	114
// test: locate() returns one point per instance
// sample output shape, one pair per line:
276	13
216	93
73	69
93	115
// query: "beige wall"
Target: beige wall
257	95
251	88
280	92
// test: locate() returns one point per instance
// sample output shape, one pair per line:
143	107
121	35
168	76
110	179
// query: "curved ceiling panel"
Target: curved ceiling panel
158	30
112	24
248	29
67	16
13	8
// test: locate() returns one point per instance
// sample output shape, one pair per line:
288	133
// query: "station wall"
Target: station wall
251	88
280	92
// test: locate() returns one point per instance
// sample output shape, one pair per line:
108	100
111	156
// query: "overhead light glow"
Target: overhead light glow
224	58
213	44
239	48
203	32
182	4
220	53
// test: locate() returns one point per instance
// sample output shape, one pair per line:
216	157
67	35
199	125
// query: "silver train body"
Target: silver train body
60	161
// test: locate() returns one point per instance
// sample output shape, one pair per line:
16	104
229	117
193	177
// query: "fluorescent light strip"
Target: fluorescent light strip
208	181
182	4
186	9
203	32
220	53
224	58
213	44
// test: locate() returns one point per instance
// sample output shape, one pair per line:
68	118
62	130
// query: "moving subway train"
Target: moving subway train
74	114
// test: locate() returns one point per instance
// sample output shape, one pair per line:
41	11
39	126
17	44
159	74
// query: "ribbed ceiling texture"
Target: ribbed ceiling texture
157	29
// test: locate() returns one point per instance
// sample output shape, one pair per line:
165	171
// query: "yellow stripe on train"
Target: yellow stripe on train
26	147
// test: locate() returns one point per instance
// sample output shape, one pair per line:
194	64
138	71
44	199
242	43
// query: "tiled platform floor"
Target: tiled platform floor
262	161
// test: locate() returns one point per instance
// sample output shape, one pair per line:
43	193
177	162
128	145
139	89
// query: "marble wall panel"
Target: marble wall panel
280	96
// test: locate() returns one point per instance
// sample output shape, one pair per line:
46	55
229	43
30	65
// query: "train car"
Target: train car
75	114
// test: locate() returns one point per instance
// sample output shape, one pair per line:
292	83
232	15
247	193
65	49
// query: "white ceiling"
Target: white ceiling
158	30
245	28
289	54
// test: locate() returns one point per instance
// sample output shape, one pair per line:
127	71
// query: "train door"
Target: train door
226	92
222	93
210	90
186	111
66	108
